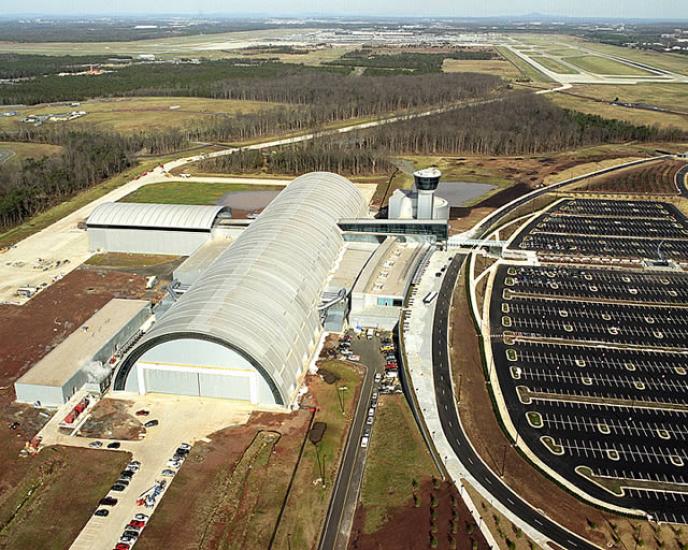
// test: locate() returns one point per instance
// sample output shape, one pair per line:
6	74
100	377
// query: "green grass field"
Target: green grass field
526	69
601	65
669	61
184	192
633	116
397	457
496	67
308	500
11	151
142	113
667	96
57	496
554	65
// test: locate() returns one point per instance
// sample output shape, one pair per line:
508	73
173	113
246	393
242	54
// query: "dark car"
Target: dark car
118	487
126	474
151	423
142	412
130	533
108	501
101	512
123	481
114	445
181	451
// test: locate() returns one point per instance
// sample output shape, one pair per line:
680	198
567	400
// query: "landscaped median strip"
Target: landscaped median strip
616	485
527	396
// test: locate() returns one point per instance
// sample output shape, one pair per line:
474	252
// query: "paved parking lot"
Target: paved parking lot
609	229
182	419
592	365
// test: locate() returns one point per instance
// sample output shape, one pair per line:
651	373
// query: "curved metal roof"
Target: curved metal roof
261	295
155	216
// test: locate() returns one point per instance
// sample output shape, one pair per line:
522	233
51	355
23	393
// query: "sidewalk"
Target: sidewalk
418	340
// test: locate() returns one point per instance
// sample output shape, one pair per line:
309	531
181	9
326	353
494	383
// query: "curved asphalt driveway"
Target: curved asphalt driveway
451	425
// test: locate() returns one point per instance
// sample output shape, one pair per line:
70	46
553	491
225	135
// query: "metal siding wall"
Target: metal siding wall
146	241
49	396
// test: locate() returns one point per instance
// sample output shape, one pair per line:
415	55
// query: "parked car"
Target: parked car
123	481
95	444
108	501
151	423
378	377
364	441
127	474
137	524
371	411
167	473
369	420
185	446
174	463
141	517
130	533
142	412
118	487
122	546
114	445
102	512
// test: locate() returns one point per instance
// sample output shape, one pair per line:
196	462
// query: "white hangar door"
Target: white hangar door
201	383
171	381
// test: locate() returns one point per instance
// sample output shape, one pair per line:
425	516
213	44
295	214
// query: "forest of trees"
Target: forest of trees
522	124
246	79
324	155
87	159
419	62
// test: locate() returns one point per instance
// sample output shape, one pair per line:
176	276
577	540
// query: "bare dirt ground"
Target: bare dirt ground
110	419
654	179
29	332
209	505
435	518
49	505
481	425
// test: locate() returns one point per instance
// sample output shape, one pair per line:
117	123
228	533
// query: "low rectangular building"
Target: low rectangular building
74	362
378	295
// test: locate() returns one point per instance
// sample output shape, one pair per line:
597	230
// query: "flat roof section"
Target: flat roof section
353	259
196	264
390	270
67	358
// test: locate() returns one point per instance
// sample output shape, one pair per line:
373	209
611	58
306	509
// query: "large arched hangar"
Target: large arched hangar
249	325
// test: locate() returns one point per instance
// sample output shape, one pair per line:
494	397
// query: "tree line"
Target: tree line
516	125
87	158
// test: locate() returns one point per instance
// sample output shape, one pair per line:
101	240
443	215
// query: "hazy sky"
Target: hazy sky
664	9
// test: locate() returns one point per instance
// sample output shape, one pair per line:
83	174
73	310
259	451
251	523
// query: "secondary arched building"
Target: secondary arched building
248	327
173	229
